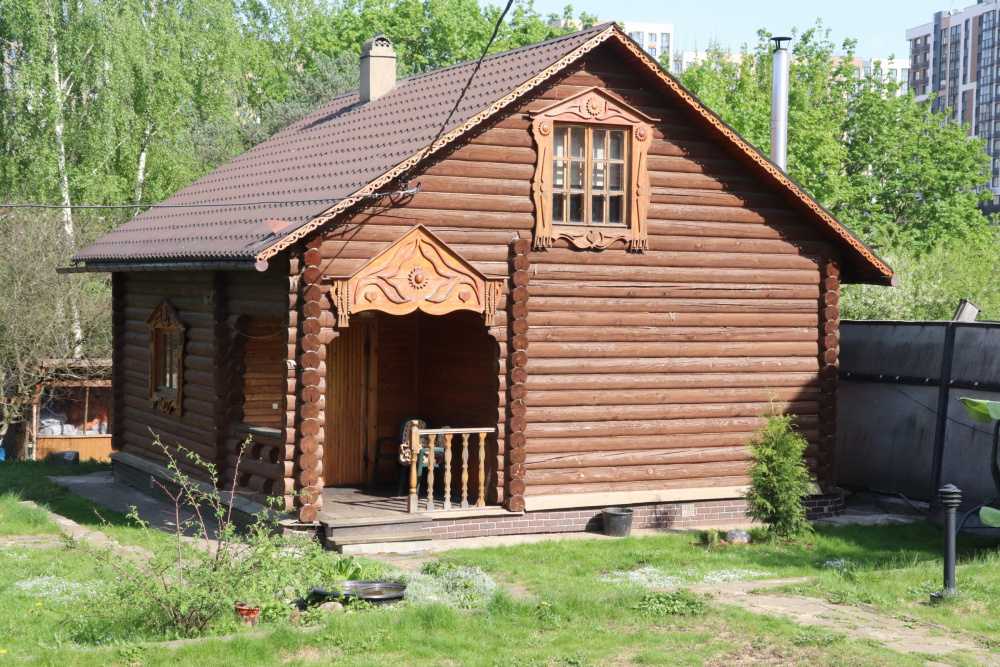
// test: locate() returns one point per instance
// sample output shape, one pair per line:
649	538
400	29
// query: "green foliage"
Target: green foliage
779	479
931	284
19	519
444	583
710	537
989	516
681	602
760	535
892	170
187	584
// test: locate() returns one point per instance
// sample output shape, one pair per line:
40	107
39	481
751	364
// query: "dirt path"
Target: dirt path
897	632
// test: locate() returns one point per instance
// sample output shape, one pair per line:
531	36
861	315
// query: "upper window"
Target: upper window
590	187
589	167
166	358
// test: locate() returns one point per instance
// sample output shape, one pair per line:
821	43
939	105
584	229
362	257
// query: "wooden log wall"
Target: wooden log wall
517	364
197	428
829	366
648	370
119	322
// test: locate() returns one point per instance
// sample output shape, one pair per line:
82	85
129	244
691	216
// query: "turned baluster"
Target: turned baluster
412	504
447	472
481	502
431	460
465	470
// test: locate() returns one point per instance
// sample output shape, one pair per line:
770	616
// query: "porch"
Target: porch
352	519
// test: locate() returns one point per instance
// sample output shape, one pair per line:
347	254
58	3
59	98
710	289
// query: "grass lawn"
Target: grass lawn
571	615
18	519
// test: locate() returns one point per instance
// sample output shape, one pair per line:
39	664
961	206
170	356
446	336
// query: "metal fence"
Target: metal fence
900	425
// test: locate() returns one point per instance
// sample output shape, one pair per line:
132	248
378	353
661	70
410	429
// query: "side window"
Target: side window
166	359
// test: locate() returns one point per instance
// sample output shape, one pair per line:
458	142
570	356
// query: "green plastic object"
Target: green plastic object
980	410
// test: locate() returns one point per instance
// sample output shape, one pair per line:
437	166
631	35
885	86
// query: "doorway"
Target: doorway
351	381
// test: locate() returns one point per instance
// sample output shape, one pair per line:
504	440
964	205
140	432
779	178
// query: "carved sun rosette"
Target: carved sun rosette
593	106
417	272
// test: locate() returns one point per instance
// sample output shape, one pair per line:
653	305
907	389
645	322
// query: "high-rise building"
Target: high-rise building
954	56
656	38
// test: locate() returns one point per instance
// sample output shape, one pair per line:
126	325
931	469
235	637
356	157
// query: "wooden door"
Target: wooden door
350	405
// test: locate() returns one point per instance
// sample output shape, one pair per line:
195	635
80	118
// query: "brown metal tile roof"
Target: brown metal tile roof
333	152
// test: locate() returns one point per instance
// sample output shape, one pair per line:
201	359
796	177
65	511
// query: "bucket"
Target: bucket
617	521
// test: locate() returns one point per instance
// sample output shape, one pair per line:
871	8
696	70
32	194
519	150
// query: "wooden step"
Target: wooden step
335	530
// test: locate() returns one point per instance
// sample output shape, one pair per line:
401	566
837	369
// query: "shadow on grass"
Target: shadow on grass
28	480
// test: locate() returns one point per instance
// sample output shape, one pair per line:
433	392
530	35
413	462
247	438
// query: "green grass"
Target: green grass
584	621
19	519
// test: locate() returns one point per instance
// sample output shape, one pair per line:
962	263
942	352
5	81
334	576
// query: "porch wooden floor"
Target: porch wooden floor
346	507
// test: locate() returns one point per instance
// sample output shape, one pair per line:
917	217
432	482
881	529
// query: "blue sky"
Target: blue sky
878	25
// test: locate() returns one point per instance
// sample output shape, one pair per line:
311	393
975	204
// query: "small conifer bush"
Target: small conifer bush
779	479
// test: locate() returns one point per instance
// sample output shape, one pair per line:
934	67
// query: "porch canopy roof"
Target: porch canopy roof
346	151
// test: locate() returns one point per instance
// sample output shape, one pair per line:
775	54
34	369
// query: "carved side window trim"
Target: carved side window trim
166	359
592	107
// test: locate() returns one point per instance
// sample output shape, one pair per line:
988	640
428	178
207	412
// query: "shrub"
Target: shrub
187	583
681	602
709	538
462	587
779	479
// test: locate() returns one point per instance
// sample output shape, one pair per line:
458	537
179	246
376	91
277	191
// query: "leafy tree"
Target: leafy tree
779	479
892	170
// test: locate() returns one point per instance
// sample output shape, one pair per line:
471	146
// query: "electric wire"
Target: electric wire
933	411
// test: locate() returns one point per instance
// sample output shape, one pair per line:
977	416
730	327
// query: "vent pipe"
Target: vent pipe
779	103
378	68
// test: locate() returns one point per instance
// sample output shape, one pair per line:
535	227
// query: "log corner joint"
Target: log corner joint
417	272
593	107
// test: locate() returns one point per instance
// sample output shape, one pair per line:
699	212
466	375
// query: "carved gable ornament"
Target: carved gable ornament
593	107
417	272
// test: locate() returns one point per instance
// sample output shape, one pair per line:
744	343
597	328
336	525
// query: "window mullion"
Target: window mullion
587	153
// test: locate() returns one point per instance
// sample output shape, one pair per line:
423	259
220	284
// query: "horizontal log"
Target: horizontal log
787	232
606	413
137	407
652	427
544	366
673	334
652	381
637	397
697	274
547	350
543	288
670	319
636	443
696	470
278	470
647	457
548	304
206	450
697	257
536	490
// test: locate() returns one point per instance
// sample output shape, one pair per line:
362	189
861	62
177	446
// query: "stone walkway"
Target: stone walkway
898	632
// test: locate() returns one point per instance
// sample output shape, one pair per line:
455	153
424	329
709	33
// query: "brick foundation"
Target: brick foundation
677	516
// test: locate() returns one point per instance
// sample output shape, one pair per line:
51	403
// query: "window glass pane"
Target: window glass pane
558	207
616	180
599	180
598	141
559	175
617	145
576	208
559	142
616	209
576	175
576	141
597	209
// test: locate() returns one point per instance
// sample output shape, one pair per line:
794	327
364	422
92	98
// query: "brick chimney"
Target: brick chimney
378	68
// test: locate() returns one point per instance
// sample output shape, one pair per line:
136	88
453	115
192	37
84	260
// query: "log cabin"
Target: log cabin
510	295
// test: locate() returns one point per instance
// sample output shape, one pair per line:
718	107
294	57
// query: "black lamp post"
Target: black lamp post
951	498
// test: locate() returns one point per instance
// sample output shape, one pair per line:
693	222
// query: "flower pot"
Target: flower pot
617	521
247	613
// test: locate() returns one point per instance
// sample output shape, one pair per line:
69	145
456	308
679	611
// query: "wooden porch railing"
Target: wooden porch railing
464	436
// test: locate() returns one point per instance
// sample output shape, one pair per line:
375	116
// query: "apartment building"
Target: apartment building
954	56
656	38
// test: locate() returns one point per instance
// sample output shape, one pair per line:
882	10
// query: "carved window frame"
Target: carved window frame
166	347
593	107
